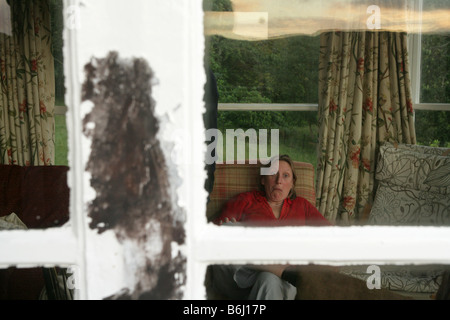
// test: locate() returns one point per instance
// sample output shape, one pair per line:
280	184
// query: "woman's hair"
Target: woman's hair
287	159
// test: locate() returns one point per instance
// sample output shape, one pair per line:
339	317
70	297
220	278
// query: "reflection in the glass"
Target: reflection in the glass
36	197
256	20
33	150
360	83
38	283
34	192
324	282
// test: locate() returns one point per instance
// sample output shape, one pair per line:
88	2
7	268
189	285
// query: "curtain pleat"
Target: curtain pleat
27	127
364	100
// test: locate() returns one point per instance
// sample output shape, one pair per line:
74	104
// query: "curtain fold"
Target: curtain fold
27	101
364	100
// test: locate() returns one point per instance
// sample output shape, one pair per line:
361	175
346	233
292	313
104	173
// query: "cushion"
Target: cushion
416	279
419	148
413	169
400	206
413	186
232	179
11	222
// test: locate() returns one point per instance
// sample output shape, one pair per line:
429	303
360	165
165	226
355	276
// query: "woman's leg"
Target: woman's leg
223	283
271	287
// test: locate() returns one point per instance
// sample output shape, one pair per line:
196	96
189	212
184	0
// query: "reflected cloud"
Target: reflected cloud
294	17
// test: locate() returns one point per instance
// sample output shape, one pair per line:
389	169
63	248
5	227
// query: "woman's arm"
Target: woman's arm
232	210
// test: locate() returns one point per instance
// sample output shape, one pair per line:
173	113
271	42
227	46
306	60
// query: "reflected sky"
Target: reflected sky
262	19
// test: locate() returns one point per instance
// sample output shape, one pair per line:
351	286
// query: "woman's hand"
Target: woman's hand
226	220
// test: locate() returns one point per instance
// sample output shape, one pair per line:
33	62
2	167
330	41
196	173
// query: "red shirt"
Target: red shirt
252	208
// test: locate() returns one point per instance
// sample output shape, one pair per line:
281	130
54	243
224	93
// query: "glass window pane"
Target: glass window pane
297	132
56	10
57	23
435	59
435	80
433	128
61	148
270	71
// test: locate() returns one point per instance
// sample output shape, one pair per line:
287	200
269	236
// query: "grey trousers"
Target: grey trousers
242	283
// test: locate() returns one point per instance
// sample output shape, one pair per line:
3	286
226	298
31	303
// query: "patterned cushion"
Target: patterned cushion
418	279
414	186
232	179
420	168
419	149
400	206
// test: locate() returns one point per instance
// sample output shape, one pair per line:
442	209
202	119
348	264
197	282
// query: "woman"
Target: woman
275	204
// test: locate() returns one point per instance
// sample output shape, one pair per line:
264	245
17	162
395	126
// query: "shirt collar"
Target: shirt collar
259	195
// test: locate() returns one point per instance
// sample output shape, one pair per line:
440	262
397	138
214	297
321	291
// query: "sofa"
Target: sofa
35	197
412	188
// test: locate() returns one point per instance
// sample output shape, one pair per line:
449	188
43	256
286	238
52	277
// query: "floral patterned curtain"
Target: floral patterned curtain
27	98
364	100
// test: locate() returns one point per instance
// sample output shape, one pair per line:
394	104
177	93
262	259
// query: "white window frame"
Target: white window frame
206	243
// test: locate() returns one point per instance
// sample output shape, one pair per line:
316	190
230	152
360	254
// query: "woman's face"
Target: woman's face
278	185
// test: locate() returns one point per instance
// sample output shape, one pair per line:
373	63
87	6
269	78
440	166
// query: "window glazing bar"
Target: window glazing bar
268	107
60	110
309	106
432	106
